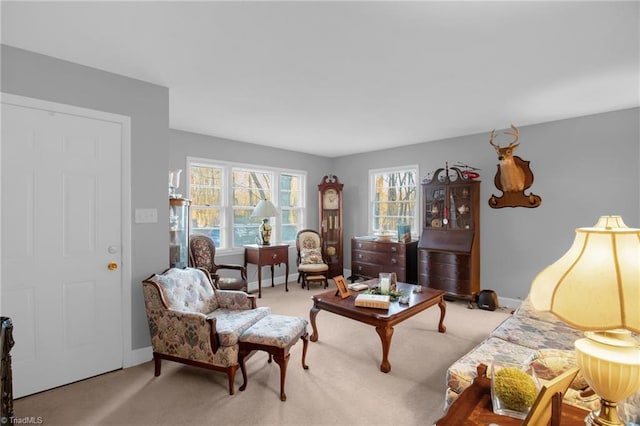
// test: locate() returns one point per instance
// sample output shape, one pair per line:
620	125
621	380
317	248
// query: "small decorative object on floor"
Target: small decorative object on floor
488	300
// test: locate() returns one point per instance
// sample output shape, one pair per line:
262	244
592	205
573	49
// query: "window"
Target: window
248	187
393	199
291	203
206	193
223	196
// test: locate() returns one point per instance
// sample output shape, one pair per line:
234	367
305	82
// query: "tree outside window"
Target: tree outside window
393	199
206	195
224	195
291	203
248	188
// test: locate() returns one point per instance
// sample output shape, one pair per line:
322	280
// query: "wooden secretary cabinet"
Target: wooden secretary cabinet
449	247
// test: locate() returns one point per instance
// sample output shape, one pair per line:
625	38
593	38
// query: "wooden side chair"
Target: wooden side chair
202	252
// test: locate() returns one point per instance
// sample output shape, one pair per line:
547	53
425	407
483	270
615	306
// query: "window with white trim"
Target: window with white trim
223	196
393	199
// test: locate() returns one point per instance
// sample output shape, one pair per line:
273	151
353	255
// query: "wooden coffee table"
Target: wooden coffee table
382	319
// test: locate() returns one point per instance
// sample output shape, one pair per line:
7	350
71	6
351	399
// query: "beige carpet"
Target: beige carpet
343	385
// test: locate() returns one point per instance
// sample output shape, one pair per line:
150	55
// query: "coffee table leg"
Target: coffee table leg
443	309
385	334
312	316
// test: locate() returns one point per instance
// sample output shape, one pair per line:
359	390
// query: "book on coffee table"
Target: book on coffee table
379	301
358	286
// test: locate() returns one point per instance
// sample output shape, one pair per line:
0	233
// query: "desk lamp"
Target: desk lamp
595	287
265	209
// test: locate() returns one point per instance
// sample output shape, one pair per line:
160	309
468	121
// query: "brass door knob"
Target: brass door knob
112	266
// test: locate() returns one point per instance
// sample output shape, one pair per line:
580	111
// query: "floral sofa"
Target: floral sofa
193	323
542	340
524	337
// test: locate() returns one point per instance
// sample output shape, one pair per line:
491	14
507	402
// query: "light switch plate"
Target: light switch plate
146	216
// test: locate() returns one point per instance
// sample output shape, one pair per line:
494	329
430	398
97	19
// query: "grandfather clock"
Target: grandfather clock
330	202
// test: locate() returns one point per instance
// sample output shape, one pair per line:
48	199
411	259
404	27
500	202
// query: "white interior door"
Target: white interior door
61	230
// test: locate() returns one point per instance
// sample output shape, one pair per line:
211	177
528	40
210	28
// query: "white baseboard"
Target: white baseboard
506	302
138	356
252	286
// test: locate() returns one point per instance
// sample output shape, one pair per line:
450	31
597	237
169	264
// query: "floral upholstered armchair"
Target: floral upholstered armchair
312	267
194	323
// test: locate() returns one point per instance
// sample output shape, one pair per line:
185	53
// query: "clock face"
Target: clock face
330	199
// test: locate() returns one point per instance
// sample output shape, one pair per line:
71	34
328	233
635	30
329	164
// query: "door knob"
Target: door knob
112	266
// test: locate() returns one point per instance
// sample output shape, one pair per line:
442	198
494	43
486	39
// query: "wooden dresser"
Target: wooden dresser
370	257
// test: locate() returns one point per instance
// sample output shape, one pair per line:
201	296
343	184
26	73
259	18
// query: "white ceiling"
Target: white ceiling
336	78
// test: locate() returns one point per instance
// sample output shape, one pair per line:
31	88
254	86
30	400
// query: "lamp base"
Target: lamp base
606	415
610	363
265	232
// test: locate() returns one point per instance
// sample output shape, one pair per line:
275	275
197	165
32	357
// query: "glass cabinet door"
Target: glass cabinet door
435	207
460	207
178	232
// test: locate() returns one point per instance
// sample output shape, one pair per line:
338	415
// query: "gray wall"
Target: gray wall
28	74
583	168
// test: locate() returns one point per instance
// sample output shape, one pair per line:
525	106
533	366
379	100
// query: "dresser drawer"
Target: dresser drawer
379	246
443	270
377	257
373	270
458	287
426	257
274	256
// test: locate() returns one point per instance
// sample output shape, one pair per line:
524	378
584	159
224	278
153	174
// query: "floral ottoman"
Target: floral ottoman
274	334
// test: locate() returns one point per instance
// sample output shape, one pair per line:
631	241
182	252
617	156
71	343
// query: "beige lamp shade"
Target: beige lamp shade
596	284
265	208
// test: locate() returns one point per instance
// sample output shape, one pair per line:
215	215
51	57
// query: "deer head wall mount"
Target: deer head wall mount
513	175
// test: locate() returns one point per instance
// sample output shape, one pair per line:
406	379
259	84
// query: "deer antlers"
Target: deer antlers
513	133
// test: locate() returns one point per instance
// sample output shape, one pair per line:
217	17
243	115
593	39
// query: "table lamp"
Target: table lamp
265	209
595	287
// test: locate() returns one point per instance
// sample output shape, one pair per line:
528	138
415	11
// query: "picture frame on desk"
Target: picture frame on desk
404	233
343	288
548	404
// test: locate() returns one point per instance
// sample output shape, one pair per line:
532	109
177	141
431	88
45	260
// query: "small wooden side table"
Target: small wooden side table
473	407
267	255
